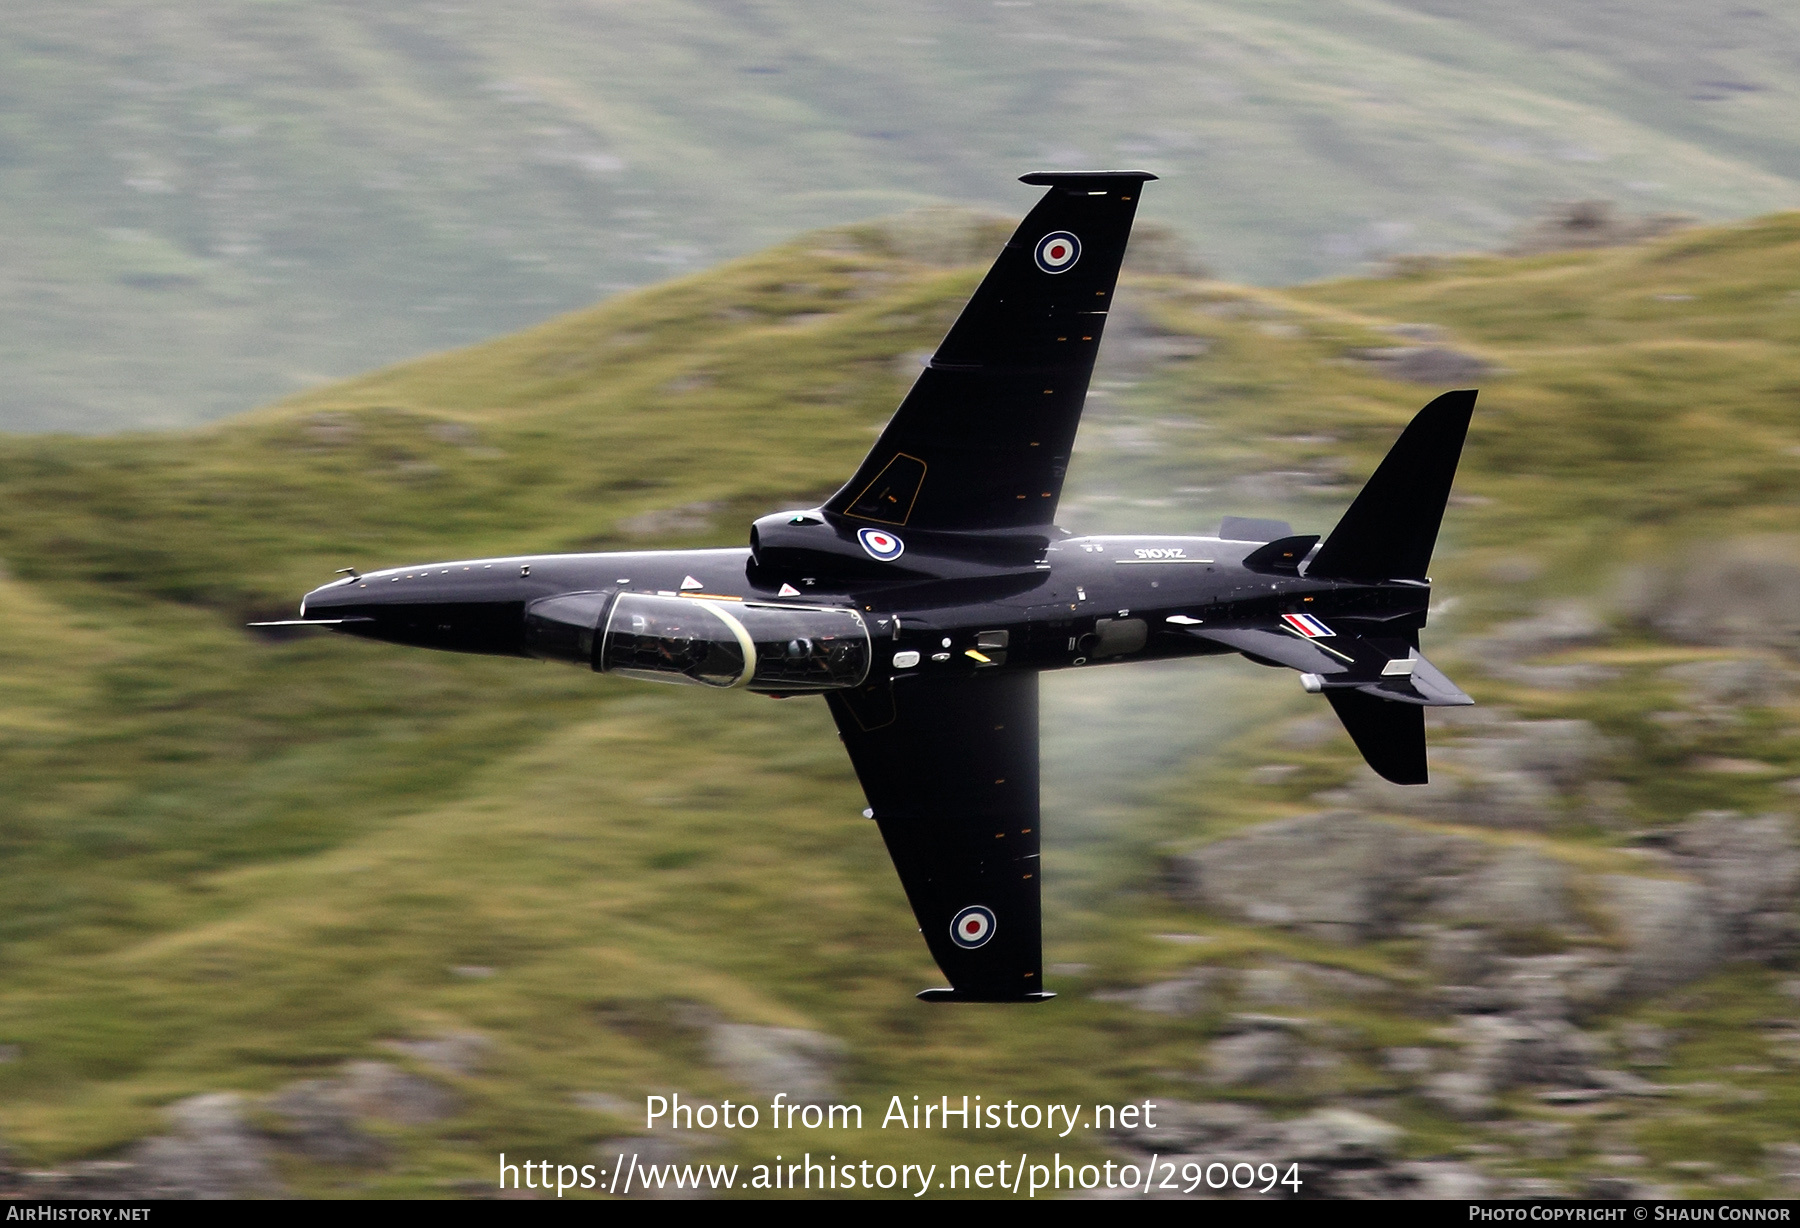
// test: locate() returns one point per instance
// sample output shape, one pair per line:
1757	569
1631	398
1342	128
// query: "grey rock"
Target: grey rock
1742	682
383	1091
1783	1163
1581	224
1613	1188
1578	676
1645	1044
1519	890
1336	1135
1566	986
1183	995
1515	775
1670	933
1541	1140
1335	875
604	1102
1272	987
1411	1060
1751	870
1502	1051
457	1053
1341	1152
793	1060
1182	1126
212	1154
1460	956
1310	731
1465	1094
1253	1058
321	1118
1440	1181
1423	364
1560	753
1743	594
647	1150
316	1119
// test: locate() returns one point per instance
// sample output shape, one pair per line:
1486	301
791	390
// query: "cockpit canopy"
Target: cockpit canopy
704	642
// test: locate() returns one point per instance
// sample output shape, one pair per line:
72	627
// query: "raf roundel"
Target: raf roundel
880	544
972	927
1057	252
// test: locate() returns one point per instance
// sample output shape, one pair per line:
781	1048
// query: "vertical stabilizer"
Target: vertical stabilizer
1389	532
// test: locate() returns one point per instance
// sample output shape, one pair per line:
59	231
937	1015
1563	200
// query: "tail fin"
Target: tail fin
1389	532
1391	736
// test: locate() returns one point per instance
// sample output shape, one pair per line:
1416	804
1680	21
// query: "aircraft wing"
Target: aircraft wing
983	439
950	768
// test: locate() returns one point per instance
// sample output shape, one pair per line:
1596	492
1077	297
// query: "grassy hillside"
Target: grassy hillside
233	862
211	205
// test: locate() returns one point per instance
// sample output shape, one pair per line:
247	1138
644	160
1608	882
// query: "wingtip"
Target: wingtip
1049	179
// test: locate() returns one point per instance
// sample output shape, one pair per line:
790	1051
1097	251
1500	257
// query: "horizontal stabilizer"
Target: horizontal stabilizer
1387	669
1391	736
1268	644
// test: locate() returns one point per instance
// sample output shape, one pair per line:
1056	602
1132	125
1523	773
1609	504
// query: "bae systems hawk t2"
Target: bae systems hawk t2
925	597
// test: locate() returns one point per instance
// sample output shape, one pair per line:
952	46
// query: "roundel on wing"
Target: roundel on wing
880	544
1057	252
972	927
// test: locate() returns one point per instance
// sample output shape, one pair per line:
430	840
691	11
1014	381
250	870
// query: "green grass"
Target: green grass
231	862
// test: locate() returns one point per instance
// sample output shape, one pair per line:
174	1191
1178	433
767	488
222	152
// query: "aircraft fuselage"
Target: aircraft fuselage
1082	601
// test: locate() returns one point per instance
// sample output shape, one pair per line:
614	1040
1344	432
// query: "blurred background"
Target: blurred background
212	205
320	917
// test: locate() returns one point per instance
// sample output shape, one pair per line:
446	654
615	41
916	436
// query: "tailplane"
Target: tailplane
1390	734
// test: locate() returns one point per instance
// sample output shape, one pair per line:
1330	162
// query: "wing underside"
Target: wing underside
950	769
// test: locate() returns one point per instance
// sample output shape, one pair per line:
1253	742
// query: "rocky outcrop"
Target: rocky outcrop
1750	868
793	1060
211	1153
322	1118
1497	1052
1422	364
1187	994
1743	594
1336	875
1580	224
1518	890
1523	775
1727	892
1340	1153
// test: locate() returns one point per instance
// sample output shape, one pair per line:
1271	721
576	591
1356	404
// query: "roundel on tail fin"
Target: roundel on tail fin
1057	252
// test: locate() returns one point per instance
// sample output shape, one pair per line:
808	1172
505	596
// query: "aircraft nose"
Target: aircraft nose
333	596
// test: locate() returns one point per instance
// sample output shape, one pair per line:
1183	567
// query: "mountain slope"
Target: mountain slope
234	864
215	204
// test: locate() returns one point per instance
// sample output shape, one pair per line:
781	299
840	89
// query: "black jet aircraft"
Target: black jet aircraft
925	597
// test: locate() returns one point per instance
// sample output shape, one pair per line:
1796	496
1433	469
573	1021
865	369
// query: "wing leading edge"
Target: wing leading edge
950	769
